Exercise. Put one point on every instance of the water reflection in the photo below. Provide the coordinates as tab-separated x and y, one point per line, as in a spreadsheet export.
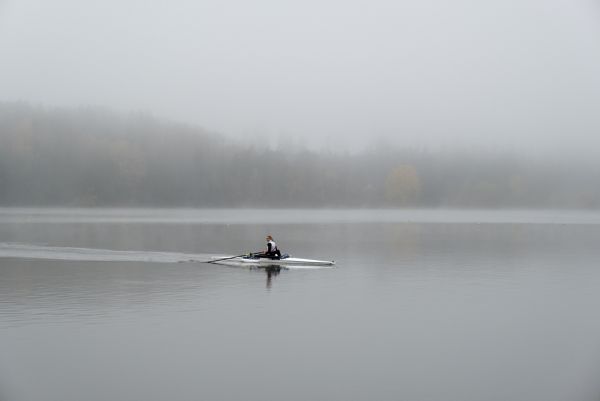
271	271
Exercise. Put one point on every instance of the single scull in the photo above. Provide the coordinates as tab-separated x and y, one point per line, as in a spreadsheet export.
285	260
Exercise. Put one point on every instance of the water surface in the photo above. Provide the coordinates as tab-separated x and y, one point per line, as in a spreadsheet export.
440	305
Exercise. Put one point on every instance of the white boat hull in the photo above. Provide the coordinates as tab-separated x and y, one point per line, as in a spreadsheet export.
289	261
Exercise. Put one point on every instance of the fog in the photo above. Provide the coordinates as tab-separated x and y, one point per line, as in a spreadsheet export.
515	75
97	157
445	154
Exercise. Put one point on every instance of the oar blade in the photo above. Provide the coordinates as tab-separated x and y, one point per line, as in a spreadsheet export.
229	257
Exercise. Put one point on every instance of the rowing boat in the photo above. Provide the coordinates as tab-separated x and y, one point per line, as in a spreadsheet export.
285	260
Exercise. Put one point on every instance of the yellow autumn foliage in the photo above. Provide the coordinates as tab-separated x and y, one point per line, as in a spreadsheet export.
402	186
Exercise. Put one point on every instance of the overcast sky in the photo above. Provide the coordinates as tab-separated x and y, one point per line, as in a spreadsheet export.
514	74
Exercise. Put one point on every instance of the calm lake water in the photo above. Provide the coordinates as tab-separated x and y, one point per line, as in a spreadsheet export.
422	305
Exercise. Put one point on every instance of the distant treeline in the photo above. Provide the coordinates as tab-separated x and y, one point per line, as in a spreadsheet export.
94	157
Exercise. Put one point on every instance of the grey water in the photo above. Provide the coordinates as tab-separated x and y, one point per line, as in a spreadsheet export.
422	305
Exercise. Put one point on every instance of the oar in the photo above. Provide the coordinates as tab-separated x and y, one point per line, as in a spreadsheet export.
231	257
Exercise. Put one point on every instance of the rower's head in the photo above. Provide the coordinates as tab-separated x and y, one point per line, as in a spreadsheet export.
269	238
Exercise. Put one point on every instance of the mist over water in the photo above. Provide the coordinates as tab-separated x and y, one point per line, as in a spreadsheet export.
96	158
320	104
444	154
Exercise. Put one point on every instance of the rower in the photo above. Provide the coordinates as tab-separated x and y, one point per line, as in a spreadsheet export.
272	251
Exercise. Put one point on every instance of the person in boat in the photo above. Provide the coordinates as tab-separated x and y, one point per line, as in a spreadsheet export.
272	251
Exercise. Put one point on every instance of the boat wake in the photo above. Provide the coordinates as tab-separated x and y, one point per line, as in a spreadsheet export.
46	252
32	251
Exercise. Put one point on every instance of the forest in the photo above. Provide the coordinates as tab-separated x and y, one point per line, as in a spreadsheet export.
93	157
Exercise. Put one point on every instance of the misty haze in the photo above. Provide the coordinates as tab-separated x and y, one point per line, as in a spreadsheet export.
267	200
